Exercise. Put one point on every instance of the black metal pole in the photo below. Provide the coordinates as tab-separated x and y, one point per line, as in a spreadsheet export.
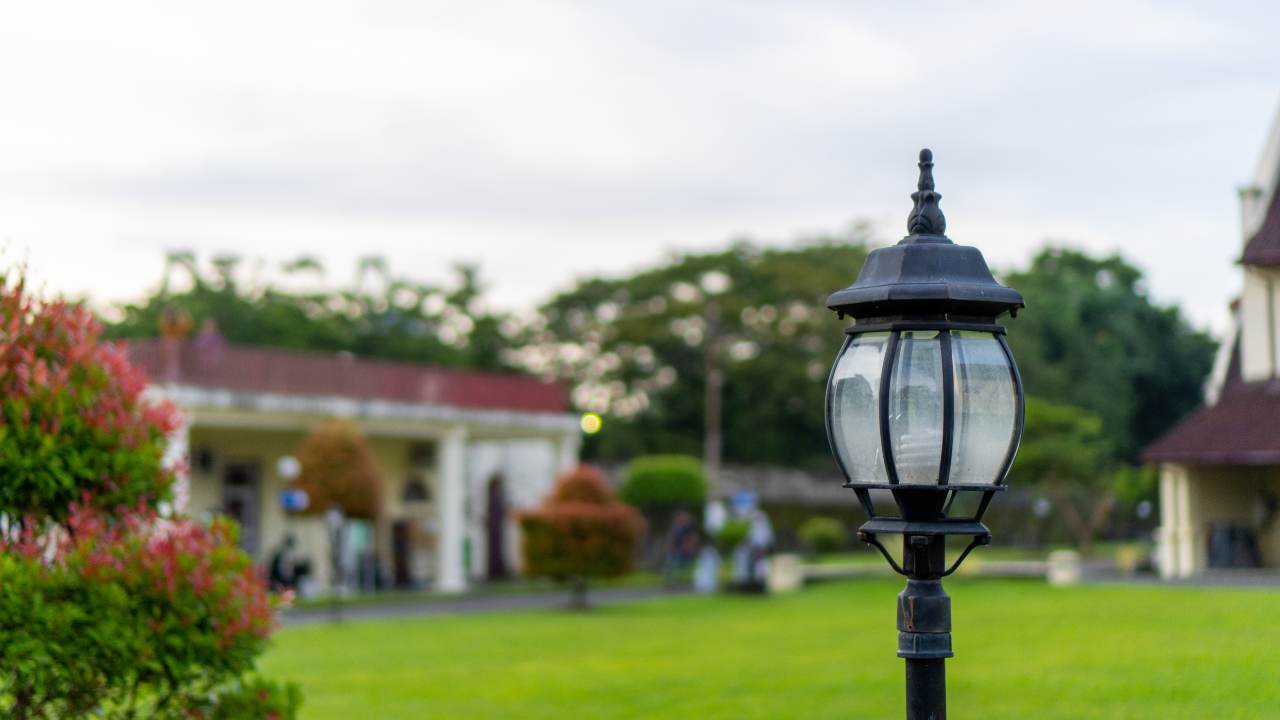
924	627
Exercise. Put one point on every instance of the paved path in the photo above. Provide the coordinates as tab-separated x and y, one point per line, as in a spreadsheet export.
1212	578
466	604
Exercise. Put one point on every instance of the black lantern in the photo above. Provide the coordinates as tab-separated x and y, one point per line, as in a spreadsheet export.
924	404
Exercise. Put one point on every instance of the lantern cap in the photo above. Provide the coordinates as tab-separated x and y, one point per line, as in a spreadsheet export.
925	273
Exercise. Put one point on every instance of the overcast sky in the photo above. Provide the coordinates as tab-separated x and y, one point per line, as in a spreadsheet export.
552	140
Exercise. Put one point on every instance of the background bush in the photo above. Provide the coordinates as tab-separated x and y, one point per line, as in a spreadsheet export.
664	482
579	532
338	468
732	533
821	535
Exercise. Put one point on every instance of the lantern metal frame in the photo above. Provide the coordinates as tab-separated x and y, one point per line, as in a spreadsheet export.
925	283
913	511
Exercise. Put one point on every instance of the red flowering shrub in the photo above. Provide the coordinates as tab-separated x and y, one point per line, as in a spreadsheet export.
126	615
581	531
73	418
106	610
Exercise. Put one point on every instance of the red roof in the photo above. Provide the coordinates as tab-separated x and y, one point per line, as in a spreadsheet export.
246	368
1264	247
1242	428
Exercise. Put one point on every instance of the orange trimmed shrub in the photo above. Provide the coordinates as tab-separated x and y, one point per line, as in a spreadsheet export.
338	468
581	531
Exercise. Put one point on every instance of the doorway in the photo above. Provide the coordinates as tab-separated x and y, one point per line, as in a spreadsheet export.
496	529
402	553
241	501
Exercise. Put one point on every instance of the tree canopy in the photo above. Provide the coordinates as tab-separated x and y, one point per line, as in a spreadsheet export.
1092	337
377	315
634	348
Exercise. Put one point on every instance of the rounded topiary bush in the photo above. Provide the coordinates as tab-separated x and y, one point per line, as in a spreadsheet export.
664	482
822	535
579	532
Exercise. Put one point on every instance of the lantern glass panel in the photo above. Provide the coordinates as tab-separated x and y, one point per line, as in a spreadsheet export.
986	406
853	405
915	408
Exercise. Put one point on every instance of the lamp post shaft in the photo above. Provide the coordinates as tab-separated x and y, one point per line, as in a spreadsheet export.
926	689
924	627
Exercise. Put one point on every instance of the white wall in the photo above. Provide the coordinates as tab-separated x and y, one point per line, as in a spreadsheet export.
528	468
1260	324
1193	499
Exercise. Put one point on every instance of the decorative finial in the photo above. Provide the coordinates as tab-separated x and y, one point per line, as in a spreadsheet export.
926	217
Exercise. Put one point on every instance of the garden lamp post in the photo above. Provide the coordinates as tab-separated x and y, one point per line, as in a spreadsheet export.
924	405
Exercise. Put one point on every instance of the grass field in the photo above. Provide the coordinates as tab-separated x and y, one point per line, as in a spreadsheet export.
1022	650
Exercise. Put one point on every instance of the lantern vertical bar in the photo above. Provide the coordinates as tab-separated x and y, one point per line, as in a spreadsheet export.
827	404
1019	411
948	406
886	377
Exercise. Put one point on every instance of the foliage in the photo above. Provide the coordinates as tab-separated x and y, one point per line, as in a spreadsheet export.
1061	442
822	535
580	531
126	616
1065	449
664	482
106	610
1093	338
1133	484
253	697
379	315
635	347
338	468
733	533
73	417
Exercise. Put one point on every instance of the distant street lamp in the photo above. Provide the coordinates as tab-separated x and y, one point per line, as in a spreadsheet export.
924	402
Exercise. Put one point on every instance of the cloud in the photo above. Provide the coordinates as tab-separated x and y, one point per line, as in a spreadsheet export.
588	137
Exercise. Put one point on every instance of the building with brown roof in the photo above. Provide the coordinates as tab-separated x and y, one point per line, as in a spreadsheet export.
1220	467
458	451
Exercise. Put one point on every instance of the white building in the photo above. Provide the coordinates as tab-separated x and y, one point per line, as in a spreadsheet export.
458	451
1220	467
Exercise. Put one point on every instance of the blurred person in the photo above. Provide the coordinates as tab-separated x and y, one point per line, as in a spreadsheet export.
682	546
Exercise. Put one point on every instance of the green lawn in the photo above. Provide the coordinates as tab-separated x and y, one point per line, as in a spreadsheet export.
1023	650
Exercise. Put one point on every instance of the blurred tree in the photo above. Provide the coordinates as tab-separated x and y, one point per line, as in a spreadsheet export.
1065	449
379	315
338	468
1092	337
636	348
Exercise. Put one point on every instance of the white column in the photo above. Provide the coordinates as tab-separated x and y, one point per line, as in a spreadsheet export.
451	575
177	455
1168	524
567	448
1188	550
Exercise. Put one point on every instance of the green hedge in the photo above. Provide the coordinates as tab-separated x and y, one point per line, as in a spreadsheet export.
822	535
664	482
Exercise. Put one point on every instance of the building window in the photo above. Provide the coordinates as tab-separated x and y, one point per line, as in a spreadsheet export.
422	455
422	465
416	489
